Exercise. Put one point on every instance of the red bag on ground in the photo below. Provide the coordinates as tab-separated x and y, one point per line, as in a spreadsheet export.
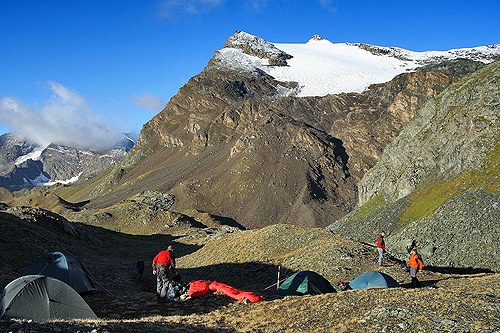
235	293
198	288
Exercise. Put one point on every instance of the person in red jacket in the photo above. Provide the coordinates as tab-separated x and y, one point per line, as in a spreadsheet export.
381	247
163	261
415	263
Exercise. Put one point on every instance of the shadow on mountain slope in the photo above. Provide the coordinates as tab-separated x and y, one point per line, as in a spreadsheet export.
248	276
138	299
229	222
458	270
110	256
74	206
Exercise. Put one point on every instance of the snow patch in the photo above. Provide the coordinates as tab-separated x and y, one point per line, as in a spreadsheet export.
321	67
33	155
65	182
235	58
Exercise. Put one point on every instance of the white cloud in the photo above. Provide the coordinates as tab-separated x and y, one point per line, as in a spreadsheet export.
172	8
149	101
255	6
328	4
65	119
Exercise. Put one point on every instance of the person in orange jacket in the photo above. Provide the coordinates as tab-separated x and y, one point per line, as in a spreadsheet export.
415	263
161	263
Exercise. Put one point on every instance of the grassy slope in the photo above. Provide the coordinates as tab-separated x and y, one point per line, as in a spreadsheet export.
432	195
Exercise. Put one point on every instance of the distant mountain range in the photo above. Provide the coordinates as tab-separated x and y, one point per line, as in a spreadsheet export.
24	164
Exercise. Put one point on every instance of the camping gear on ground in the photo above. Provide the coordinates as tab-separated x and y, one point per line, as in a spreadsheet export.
170	292
305	283
373	279
180	288
235	293
200	288
64	267
41	297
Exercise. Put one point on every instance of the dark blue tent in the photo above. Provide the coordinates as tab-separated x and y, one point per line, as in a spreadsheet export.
373	279
305	283
64	267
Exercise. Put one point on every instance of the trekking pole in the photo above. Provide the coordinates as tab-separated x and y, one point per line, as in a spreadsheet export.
278	283
274	284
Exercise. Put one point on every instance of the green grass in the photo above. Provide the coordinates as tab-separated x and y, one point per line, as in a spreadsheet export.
375	203
434	194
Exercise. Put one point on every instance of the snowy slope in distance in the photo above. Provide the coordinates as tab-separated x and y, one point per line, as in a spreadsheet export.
321	67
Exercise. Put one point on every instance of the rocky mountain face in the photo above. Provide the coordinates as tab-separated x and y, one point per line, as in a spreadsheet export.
436	185
26	165
231	144
12	147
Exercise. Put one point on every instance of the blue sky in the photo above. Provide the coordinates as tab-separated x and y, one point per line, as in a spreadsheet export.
125	59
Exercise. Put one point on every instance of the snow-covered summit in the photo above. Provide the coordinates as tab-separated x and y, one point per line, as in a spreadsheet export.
256	46
321	67
316	37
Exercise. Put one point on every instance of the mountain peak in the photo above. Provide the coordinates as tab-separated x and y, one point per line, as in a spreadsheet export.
316	38
257	46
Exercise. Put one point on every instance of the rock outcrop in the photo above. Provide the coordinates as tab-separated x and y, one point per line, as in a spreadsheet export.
256	46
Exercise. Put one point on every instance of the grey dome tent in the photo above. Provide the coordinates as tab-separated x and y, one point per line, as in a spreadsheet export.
41	297
64	267
305	283
373	279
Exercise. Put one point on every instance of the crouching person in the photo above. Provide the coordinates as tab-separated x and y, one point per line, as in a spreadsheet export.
164	261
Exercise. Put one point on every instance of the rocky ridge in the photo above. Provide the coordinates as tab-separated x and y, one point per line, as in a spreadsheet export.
486	54
256	46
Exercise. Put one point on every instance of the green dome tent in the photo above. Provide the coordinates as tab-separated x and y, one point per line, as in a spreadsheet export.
41	297
373	279
64	267
305	283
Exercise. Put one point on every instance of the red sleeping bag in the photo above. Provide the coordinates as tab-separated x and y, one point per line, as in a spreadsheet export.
235	293
198	288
